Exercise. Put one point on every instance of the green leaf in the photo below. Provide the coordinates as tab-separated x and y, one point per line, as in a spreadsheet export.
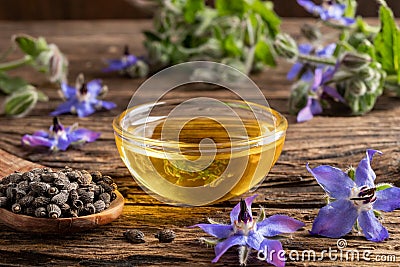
229	7
387	43
11	84
21	102
263	53
231	46
191	8
268	15
351	7
383	186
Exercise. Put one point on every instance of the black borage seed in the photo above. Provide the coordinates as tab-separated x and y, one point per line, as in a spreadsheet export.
134	236
99	206
40	201
41	212
60	198
54	211
166	236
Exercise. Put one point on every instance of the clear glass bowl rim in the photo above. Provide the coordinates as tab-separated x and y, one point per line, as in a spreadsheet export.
281	125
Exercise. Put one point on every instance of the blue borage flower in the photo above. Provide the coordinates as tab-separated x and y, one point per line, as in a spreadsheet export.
355	201
83	98
244	231
319	89
122	64
329	10
58	137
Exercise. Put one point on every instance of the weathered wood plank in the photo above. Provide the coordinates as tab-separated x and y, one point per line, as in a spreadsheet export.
289	188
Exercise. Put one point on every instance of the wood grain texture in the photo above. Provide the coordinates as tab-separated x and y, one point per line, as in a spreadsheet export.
289	188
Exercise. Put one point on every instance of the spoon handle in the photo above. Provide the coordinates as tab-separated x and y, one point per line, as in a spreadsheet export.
10	163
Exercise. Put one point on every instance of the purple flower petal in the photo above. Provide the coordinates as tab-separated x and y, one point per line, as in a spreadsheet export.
294	71
235	211
317	78
64	107
365	175
217	230
114	65
68	91
333	180
307	76
41	133
63	142
335	219
223	246
84	109
327	51
36	141
83	134
254	240
120	64
273	249
347	21
372	228
313	107
310	6
94	87
278	224
305	48
388	199
108	105
332	92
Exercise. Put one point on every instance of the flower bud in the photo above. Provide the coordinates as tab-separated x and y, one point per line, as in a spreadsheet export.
311	32
357	88
21	102
366	73
285	46
355	61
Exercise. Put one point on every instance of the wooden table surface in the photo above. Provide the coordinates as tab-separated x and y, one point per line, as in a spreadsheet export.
289	188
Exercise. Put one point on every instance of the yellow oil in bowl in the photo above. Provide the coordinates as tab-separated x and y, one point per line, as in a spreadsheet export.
197	160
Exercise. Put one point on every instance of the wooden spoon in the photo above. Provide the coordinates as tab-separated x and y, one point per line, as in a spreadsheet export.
10	163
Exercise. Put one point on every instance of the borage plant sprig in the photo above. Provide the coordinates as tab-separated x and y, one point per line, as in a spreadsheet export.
44	57
366	60
239	33
248	233
354	201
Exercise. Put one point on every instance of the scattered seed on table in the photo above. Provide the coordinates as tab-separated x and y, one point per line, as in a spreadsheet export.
134	236
165	235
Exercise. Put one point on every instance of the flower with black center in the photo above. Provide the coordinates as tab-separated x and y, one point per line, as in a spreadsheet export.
356	200
128	65
58	137
83	99
329	10
249	234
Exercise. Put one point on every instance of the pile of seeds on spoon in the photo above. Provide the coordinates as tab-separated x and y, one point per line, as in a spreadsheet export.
45	193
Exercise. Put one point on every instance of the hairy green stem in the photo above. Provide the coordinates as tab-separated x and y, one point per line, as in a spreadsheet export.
15	64
5	54
317	60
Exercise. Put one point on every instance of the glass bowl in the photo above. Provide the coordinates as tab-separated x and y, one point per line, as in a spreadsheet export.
199	152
